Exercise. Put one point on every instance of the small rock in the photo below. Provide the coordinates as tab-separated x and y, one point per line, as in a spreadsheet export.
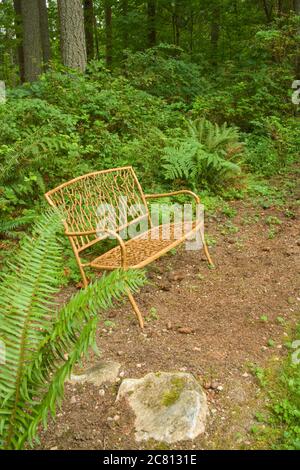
220	388
101	392
73	400
116	418
169	325
120	353
177	276
99	374
246	375
197	349
54	448
165	286
214	385
139	366
185	331
207	385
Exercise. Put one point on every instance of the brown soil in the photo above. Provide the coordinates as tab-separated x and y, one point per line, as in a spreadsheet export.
219	312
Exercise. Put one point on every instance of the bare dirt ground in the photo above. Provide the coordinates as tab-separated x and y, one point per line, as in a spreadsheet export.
213	323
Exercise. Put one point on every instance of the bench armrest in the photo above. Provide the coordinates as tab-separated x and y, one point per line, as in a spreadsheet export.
175	193
109	232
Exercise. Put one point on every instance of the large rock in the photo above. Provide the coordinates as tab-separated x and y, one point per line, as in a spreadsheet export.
169	407
101	373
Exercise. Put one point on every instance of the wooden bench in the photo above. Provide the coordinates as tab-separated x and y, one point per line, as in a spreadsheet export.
86	204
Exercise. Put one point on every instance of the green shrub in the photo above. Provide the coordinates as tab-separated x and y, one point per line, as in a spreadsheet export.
163	71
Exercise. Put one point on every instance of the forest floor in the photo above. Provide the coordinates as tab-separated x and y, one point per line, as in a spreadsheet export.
236	319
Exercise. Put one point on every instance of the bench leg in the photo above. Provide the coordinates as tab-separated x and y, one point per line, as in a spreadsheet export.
206	251
136	309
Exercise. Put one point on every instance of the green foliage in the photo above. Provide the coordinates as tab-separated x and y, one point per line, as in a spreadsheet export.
161	71
66	125
209	155
273	145
41	344
283	422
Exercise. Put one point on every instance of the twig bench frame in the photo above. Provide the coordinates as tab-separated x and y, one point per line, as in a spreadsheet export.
79	201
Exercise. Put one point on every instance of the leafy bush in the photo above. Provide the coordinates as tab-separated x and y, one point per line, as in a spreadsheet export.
41	345
272	146
162	72
209	155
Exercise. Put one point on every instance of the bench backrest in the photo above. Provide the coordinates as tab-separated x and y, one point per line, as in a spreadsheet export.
99	199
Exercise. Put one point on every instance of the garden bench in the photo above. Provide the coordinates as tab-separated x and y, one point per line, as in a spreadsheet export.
87	204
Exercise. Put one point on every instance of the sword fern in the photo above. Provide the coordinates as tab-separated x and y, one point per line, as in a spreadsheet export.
41	344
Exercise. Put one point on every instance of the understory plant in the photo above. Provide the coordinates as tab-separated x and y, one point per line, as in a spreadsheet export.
39	342
209	155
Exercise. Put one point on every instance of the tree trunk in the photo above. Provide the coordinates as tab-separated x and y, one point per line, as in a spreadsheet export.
31	40
214	35
192	33
72	36
268	9
125	27
89	22
151	23
108	32
297	68
44	28
19	36
176	24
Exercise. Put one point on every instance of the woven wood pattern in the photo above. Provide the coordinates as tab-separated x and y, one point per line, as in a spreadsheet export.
117	192
145	248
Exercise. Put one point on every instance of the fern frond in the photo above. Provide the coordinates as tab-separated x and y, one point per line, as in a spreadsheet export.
25	299
73	333
179	161
37	340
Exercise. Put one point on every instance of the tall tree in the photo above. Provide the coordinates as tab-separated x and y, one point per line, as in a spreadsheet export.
176	22
31	39
108	31
297	11
214	34
151	23
44	29
19	37
268	9
124	6
72	34
89	22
